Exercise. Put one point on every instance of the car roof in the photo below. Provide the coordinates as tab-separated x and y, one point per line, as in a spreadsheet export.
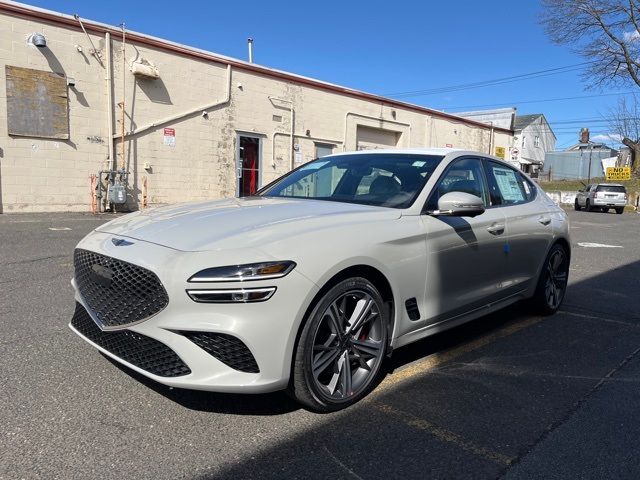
387	151
610	184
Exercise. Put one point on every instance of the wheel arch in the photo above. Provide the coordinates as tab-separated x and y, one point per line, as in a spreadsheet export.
372	274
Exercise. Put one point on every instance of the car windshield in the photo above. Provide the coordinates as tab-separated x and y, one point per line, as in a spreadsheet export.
388	180
611	188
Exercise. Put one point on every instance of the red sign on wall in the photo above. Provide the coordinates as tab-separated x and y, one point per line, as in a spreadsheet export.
169	132
169	138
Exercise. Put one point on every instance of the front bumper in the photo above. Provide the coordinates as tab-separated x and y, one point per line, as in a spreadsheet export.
268	329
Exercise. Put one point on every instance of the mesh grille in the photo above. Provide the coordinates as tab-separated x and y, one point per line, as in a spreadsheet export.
142	351
228	349
117	292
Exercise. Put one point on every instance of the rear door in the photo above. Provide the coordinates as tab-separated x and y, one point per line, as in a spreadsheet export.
528	224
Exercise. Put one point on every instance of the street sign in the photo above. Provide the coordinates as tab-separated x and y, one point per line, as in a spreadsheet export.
514	153
618	173
500	151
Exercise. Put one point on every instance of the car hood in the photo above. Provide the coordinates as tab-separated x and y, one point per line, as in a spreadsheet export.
239	222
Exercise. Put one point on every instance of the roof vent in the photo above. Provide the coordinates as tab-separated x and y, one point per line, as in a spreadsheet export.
584	135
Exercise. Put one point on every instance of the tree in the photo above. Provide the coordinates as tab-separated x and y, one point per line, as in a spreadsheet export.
624	121
606	33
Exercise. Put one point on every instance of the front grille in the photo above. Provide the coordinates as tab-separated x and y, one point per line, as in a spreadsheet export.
118	293
228	349
139	350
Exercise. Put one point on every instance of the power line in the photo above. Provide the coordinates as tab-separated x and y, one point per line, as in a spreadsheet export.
536	101
496	81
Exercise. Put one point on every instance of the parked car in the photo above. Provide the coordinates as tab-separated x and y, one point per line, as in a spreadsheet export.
311	283
602	196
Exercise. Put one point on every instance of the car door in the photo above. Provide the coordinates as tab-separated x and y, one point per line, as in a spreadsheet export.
466	259
529	229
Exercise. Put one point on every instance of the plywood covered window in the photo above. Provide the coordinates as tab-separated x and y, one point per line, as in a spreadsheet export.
37	103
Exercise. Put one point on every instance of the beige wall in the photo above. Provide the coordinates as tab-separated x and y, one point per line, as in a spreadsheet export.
46	175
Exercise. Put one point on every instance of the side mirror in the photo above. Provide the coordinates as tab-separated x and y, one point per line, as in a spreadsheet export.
459	204
580	191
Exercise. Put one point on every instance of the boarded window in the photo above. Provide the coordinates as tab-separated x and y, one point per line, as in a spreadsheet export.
37	103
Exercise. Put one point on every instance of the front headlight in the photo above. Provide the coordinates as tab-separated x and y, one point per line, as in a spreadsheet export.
244	273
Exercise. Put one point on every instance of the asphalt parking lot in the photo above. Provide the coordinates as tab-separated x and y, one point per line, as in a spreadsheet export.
508	396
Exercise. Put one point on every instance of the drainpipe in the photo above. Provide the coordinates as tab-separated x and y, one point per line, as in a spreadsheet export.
250	45
292	129
109	81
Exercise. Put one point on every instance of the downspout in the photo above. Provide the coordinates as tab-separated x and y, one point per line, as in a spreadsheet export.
124	82
109	81
173	118
291	130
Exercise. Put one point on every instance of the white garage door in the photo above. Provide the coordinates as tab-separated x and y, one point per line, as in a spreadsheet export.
369	138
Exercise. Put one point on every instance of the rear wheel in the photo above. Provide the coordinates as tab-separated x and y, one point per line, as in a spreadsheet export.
552	283
588	206
576	205
605	209
620	211
341	347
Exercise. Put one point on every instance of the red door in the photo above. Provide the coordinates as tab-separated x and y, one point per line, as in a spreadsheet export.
249	166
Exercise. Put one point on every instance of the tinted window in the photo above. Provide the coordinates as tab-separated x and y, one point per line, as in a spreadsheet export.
508	186
388	180
464	175
611	188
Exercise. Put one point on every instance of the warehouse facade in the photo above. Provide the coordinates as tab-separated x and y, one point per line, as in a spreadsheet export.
196	125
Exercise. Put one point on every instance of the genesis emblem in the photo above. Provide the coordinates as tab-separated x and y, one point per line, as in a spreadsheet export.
121	242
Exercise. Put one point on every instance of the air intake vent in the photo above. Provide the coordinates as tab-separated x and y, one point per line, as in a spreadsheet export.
412	309
228	349
137	349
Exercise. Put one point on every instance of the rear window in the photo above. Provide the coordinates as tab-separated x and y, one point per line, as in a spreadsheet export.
611	188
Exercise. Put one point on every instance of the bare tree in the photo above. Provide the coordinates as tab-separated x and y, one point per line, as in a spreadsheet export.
606	33
624	121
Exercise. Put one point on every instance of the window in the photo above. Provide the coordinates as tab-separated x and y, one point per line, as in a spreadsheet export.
508	186
388	180
536	141
464	175
611	188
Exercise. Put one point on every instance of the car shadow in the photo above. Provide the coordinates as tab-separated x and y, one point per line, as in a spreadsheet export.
279	403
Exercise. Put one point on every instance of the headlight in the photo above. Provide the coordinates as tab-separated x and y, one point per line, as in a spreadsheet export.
244	273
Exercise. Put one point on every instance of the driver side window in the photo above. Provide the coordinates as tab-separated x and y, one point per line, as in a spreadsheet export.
463	175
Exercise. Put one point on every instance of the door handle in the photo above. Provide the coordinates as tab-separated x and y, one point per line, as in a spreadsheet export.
544	220
496	229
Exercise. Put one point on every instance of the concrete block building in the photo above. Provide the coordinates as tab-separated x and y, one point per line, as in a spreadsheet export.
176	122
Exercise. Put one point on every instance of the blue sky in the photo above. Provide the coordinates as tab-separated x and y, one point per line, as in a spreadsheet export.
385	48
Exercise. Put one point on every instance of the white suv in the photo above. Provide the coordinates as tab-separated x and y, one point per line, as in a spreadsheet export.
602	196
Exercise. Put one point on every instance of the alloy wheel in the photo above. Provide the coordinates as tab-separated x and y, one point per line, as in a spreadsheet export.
556	281
348	345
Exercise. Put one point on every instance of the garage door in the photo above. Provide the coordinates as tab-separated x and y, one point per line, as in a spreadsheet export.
369	138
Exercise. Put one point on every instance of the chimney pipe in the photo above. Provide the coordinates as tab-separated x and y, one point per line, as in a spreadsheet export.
584	135
250	45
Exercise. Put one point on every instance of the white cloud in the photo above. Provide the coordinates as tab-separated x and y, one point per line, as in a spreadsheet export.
609	137
632	36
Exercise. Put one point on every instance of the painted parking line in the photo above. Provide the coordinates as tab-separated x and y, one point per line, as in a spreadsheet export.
432	361
443	434
597	245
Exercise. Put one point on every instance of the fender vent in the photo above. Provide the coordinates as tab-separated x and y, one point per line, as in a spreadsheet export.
412	309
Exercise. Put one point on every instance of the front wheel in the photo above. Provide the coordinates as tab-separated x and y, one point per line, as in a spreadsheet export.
552	283
341	347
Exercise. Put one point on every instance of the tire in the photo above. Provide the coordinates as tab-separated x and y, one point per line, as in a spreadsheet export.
335	364
576	206
552	283
620	211
605	209
588	206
